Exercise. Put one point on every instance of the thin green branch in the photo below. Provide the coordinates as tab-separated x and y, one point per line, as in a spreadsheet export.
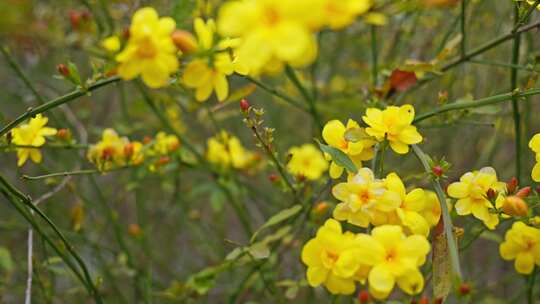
447	220
72	173
526	16
374	56
530	286
462	105
57	102
515	106
463	25
276	93
504	65
291	74
17	69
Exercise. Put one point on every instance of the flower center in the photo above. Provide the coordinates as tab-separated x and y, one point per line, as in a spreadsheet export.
271	16
391	255
146	49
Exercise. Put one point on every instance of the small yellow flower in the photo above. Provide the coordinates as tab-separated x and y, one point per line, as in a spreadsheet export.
165	143
471	193
522	243
307	161
332	259
361	149
111	44
150	51
206	75
31	134
227	150
411	204
338	14
269	30
394	258
534	144
512	205
362	197
394	125
109	152
432	208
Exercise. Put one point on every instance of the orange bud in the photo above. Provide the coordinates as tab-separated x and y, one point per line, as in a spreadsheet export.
321	208
62	69
146	140
184	41
363	297
524	192
63	134
464	289
107	153
515	206
423	300
440	3
244	105
273	177
129	149
512	185
163	160
125	33
134	230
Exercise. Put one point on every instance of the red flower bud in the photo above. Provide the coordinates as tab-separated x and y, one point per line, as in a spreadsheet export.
273	177
423	300
491	194
512	185
363	297
438	301
464	289
524	192
437	171
244	105
63	134
125	33
63	69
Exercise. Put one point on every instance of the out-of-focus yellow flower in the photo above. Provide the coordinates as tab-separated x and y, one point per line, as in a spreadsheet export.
206	75
358	149
227	150
164	144
150	51
109	151
375	18
531	2
471	191
307	161
269	29
522	243
534	144
111	44
512	205
134	153
361	196
338	14
332	259
31	134
407	214
394	125
394	258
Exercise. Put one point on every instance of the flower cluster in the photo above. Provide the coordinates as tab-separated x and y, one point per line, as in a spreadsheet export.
114	151
227	151
534	144
522	244
30	135
366	200
383	258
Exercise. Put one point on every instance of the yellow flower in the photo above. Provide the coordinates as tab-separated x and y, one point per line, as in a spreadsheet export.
31	134
109	152
150	51
471	194
534	144
522	243
531	2
361	197
394	258
111	44
394	125
338	14
165	143
360	149
411	204
227	150
432	208
210	74
332	259
269	29
307	161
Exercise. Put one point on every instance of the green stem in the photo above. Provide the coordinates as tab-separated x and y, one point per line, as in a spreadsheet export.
476	103
447	220
71	173
291	74
374	56
57	102
525	17
463	28
504	65
515	106
17	69
276	93
530	286
28	202
49	146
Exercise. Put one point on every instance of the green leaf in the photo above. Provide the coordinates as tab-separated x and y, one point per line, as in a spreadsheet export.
259	251
339	157
182	11
278	218
6	263
74	74
355	135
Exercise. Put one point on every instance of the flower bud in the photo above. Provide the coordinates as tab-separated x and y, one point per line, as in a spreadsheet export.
163	160
129	149
63	134
321	208
423	300
363	297
437	171
62	69
146	140
184	41
125	33
512	185
515	206
491	194
244	105
524	192
134	230
273	177
464	289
